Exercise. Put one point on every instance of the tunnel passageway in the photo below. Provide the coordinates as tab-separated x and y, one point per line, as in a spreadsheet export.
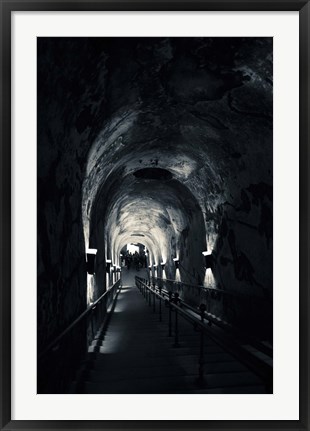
134	354
164	143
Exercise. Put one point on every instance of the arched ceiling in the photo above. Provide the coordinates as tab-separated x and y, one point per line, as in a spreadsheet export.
159	210
191	107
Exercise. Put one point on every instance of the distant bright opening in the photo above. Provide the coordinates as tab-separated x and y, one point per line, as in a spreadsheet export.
132	248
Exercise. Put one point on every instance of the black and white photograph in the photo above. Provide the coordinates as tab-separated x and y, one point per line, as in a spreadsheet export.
155	215
154	226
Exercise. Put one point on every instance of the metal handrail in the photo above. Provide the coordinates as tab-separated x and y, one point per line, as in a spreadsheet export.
229	305
77	320
226	341
209	289
227	327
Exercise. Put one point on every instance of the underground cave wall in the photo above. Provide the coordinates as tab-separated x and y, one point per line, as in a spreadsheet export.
61	280
63	139
191	244
241	232
243	260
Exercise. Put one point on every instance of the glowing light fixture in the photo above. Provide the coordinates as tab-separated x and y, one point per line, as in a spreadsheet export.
155	266
90	260
176	262
208	258
162	265
91	251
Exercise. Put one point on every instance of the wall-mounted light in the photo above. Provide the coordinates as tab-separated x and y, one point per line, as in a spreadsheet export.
162	265
150	267
108	265
208	259
155	266
176	262
114	268
90	260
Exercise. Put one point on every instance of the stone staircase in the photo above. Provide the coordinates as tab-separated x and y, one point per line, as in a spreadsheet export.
135	355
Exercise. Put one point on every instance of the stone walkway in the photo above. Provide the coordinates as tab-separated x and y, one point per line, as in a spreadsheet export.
137	356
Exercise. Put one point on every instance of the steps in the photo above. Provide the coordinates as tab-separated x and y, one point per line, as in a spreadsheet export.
134	355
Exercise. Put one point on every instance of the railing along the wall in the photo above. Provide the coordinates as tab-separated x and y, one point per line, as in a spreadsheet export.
251	313
206	324
58	362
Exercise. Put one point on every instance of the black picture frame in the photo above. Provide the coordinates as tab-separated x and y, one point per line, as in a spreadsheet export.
7	7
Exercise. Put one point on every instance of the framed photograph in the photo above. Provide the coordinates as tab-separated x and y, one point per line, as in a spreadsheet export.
154	215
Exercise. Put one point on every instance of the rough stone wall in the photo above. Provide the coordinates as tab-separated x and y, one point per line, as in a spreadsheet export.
69	81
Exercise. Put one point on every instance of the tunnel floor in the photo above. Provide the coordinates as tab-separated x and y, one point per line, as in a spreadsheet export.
136	355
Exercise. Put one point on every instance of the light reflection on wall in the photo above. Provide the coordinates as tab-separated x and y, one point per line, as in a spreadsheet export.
90	289
177	275
211	241
161	267
164	274
209	280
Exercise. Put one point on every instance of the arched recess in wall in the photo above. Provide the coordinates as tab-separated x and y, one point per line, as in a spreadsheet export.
165	212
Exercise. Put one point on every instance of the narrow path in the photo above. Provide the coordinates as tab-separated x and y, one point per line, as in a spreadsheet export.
136	355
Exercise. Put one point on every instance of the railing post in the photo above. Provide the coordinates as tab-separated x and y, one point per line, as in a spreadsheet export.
100	311
160	316
170	322
176	329
154	297
92	321
202	309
